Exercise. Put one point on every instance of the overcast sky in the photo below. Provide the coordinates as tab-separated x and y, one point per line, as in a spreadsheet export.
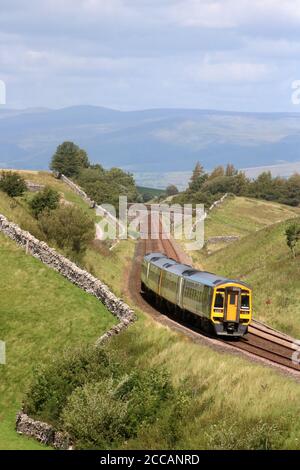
129	54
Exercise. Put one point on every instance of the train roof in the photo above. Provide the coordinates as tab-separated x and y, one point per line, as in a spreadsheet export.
154	256
160	260
188	272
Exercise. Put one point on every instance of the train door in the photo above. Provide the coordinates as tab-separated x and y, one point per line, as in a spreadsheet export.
232	305
179	292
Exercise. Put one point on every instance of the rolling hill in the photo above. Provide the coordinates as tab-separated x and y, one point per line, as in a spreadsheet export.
150	141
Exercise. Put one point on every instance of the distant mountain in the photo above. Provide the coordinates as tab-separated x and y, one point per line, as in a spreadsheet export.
150	141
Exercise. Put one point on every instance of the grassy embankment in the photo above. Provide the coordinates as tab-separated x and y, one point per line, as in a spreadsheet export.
261	257
41	313
233	403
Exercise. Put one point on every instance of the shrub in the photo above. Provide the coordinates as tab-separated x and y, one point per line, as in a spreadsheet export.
48	199
52	385
292	234
94	418
106	414
89	394
171	190
12	184
70	228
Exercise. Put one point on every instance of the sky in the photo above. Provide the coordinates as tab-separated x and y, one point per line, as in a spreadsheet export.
240	55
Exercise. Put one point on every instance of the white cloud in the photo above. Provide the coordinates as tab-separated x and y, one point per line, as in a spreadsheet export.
163	53
233	13
229	71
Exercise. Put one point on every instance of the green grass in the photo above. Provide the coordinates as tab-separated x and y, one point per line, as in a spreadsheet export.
17	209
41	313
264	260
152	191
260	257
111	266
241	216
46	178
233	403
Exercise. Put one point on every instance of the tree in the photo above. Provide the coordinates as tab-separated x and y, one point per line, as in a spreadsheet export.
198	178
83	159
48	199
105	187
69	159
293	236
218	171
263	187
171	190
293	190
230	170
70	228
12	184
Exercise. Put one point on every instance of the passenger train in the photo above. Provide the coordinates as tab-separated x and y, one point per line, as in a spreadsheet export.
217	304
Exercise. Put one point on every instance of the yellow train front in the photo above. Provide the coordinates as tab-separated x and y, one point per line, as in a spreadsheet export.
213	302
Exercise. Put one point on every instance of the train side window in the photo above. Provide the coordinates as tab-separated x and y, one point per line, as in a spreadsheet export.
219	301
245	301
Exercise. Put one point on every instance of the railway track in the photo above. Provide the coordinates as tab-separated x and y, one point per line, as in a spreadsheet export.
262	341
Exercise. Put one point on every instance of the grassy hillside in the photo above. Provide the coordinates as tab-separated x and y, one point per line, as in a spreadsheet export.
41	313
260	257
232	403
17	209
264	260
151	191
241	216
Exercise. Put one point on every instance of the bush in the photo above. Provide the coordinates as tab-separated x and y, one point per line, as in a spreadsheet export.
106	414
90	395
94	418
171	190
12	184
292	234
48	199
70	228
52	385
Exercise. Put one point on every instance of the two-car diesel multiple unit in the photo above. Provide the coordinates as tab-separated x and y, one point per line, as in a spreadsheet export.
217	303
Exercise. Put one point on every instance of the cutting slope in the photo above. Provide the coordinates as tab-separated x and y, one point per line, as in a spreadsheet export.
241	216
264	260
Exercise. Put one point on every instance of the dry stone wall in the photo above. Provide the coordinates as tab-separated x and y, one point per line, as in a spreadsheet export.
76	189
68	269
44	432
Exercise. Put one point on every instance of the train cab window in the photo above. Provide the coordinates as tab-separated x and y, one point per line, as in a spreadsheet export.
219	301
245	301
